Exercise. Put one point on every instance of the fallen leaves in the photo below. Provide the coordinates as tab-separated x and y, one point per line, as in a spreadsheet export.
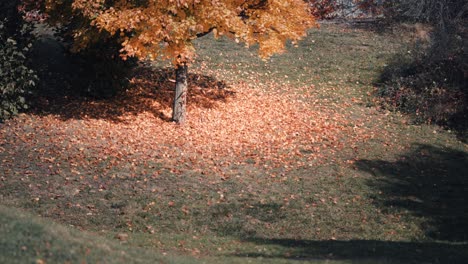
272	129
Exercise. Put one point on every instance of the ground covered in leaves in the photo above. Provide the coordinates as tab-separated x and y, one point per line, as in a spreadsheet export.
288	159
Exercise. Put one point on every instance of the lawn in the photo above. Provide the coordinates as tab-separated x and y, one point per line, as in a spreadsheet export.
285	160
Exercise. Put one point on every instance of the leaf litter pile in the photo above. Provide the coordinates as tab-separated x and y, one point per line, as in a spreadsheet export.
227	127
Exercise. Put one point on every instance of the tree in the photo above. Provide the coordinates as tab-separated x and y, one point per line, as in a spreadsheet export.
323	9
447	16
150	29
436	12
329	9
449	20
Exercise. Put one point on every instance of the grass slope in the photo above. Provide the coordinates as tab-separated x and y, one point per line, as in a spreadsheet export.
280	161
30	239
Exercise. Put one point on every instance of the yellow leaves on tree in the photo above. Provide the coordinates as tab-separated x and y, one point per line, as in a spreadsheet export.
167	27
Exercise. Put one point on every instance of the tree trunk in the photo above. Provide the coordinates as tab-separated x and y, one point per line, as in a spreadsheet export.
179	111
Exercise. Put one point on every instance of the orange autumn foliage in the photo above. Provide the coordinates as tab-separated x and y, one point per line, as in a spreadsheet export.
149	29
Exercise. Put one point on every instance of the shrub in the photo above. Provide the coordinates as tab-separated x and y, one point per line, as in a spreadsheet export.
432	91
431	84
16	78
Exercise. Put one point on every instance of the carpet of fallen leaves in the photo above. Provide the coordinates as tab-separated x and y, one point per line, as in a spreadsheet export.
228	126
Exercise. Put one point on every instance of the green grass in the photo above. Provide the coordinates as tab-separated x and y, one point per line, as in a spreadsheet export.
329	57
397	197
30	239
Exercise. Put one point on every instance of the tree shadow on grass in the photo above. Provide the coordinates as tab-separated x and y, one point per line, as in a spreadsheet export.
431	182
362	251
149	90
81	86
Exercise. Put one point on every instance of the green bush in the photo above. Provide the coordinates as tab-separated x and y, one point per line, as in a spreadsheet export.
16	78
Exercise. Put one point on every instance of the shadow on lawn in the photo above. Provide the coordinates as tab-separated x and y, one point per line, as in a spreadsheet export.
364	251
431	182
77	87
149	90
